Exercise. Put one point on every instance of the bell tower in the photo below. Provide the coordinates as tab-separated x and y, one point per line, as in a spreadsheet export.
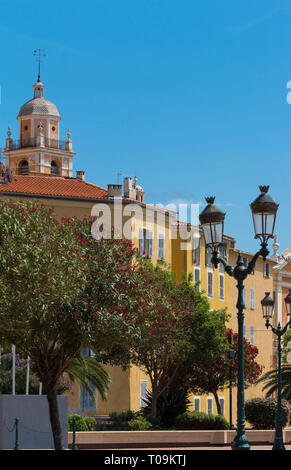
38	149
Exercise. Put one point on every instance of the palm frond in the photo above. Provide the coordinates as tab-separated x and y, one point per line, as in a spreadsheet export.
89	372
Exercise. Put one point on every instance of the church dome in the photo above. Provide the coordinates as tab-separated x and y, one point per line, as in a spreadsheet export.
38	104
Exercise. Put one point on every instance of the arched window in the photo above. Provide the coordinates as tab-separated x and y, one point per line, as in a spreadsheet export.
54	168
24	168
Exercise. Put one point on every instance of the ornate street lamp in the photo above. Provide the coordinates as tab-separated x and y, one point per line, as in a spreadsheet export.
268	308
264	211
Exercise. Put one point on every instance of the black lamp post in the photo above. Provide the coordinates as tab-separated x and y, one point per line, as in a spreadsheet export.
231	355
264	211
268	308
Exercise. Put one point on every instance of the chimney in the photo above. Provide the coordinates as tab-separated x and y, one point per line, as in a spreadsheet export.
80	175
114	190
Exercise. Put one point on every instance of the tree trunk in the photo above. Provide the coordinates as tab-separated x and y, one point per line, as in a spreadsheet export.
55	419
154	403
217	403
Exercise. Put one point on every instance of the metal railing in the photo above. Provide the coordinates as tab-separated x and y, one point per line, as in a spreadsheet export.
34	142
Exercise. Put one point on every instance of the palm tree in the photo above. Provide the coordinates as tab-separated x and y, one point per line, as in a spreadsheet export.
271	382
89	372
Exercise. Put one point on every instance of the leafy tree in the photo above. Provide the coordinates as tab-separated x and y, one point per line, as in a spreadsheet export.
58	291
173	327
214	375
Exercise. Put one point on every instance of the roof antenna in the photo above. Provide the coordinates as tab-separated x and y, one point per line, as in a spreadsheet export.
39	53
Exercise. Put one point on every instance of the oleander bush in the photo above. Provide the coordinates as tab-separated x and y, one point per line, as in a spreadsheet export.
192	420
261	412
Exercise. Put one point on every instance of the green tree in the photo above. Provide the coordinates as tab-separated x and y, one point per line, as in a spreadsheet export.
57	291
212	376
173	327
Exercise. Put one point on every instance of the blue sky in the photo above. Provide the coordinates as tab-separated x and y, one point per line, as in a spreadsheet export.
189	95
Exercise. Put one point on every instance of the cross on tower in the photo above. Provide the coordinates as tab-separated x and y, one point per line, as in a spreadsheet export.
39	53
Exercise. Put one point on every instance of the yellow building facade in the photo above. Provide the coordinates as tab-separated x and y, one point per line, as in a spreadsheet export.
190	257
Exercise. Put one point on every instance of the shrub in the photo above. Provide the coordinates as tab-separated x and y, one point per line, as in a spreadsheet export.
119	421
80	422
198	420
139	424
171	403
261	412
90	422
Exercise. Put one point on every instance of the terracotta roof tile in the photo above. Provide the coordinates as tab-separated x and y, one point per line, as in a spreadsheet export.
53	186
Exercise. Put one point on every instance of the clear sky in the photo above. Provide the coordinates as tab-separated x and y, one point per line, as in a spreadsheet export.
189	95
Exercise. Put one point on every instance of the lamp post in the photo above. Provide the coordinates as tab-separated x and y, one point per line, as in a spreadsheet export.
268	308
264	211
231	355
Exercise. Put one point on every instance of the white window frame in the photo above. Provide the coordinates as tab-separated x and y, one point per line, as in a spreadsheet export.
245	331
210	271
267	269
221	288
161	236
252	335
199	251
143	395
222	405
209	400
252	298
199	402
146	242
197	270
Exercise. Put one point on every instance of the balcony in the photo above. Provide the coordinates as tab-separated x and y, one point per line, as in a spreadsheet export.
36	142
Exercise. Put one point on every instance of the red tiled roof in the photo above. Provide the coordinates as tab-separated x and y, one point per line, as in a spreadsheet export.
53	186
60	187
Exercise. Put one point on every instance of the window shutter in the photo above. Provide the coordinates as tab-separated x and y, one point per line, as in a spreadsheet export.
143	392
161	246
141	241
252	335
150	244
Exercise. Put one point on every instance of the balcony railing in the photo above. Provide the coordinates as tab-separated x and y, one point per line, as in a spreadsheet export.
34	142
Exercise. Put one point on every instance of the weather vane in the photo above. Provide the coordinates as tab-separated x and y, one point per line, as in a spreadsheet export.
39	53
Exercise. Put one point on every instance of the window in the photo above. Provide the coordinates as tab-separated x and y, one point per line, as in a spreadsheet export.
196	251
86	401
252	335
245	331
196	404
197	278
54	168
252	292
246	262
161	247
222	251
221	402
244	295
209	405
143	393
208	256
24	168
221	286
267	271
210	284
146	242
